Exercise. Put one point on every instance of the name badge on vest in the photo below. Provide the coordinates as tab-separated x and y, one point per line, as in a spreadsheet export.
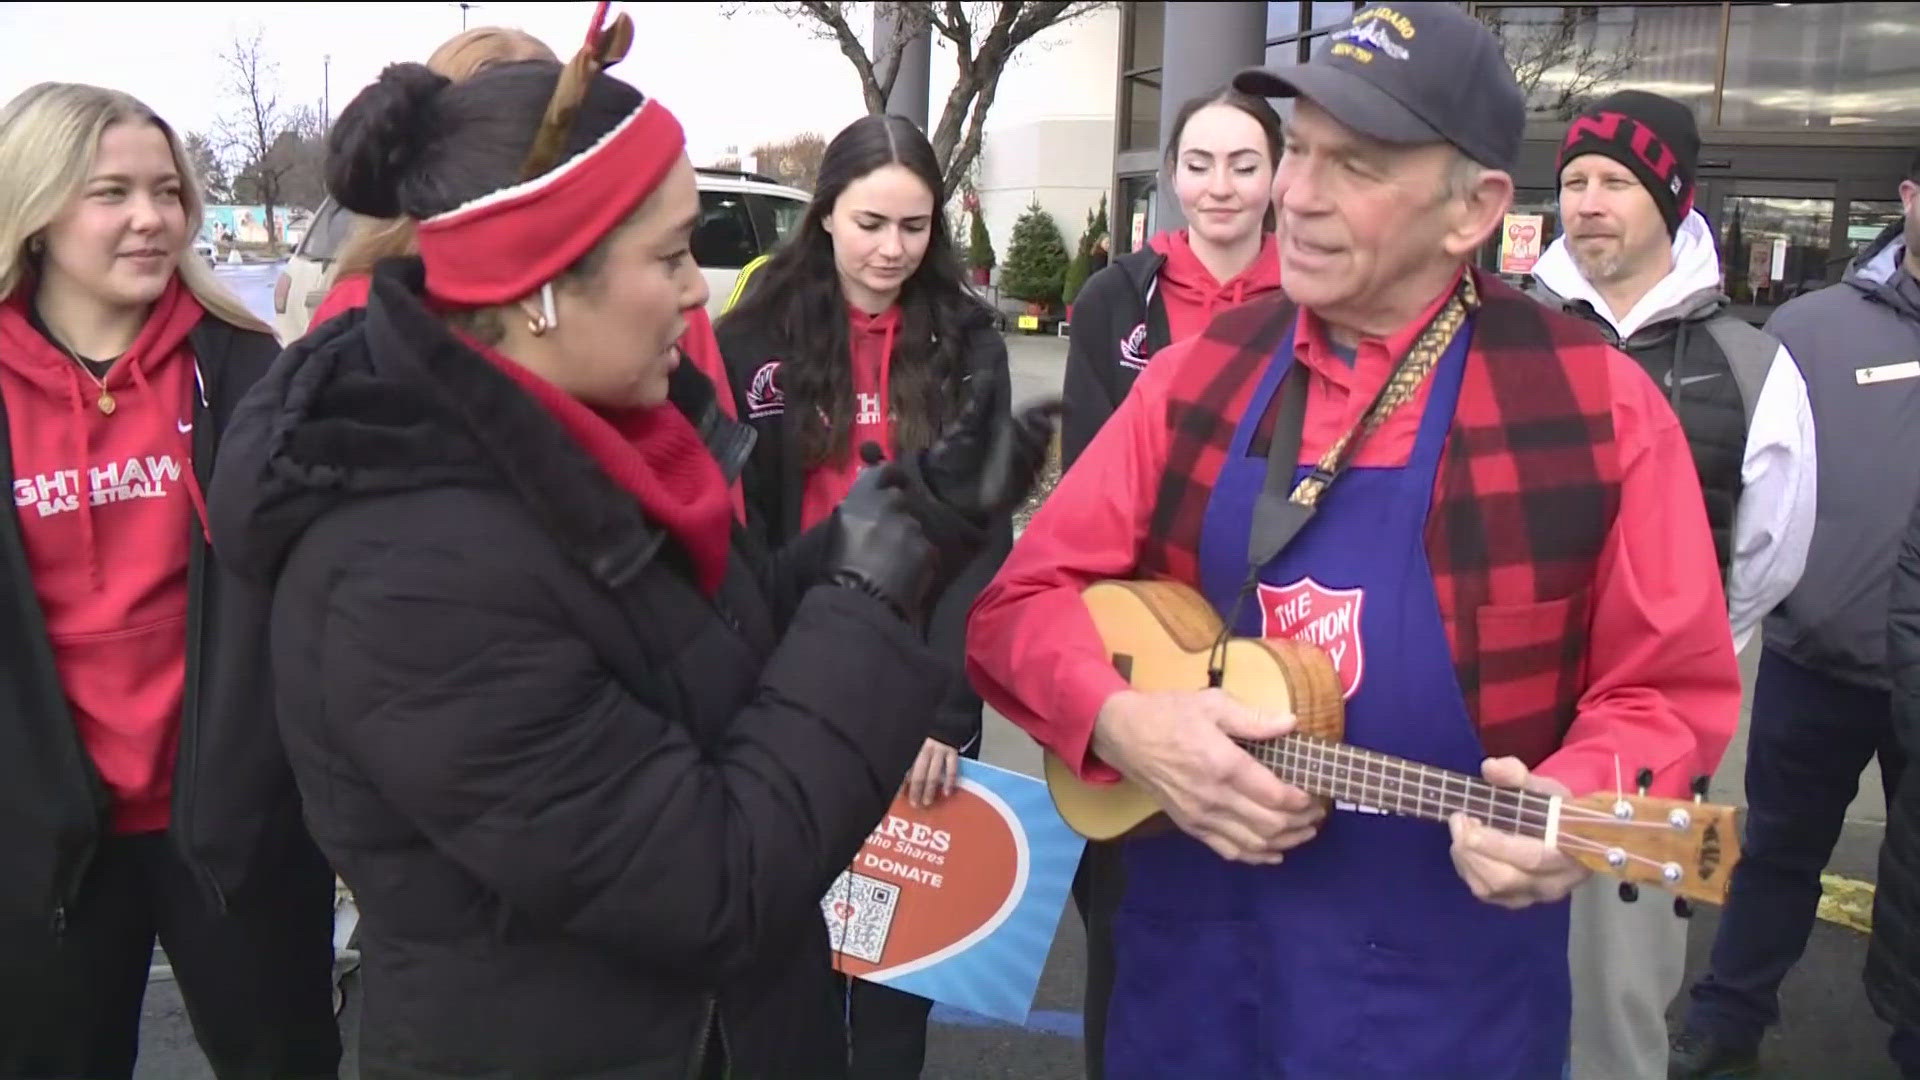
1867	376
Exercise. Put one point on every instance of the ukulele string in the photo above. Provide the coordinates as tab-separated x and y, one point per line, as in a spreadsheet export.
1367	777
1520	816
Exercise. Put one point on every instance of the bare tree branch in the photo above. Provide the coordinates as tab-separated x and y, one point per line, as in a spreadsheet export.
961	161
984	36
832	16
256	122
1560	64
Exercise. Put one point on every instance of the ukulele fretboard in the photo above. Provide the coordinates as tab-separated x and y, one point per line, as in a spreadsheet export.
1394	785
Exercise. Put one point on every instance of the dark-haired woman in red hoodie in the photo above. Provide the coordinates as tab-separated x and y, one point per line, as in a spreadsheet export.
861	331
1220	159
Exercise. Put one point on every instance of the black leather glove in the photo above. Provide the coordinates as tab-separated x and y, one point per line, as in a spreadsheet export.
986	465
876	545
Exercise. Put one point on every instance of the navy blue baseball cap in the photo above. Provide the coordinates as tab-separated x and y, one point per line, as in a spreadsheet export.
1410	74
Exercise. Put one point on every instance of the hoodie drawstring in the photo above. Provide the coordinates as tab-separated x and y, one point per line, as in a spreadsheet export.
82	479
886	374
1214	296
194	494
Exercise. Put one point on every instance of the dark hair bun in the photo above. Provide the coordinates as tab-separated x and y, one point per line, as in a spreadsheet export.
377	140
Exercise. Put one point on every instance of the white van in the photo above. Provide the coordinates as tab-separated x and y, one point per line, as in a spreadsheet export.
742	216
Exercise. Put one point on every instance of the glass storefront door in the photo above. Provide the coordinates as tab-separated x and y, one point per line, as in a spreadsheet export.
1866	220
1776	240
1138	213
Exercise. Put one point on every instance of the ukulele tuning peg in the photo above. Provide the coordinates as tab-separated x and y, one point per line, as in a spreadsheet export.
1644	778
1681	908
1629	892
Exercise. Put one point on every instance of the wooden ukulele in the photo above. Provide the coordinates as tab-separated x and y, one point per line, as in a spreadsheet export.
1161	635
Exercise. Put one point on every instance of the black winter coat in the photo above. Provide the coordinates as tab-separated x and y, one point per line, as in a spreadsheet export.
588	812
1893	955
235	812
774	484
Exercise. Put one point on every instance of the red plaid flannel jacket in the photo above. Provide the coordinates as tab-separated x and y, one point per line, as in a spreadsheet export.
1523	503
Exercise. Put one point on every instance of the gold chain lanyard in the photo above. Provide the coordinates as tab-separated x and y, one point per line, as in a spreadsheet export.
1401	386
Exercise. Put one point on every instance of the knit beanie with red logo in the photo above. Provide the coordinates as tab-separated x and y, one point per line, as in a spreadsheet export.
1656	137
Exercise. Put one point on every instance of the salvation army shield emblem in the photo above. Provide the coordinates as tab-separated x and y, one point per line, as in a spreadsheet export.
1327	618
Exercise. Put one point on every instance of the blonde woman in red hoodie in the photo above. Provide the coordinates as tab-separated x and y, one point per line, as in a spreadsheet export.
1220	158
143	792
860	335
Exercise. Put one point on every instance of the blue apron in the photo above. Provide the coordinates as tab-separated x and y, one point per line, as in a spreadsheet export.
1363	955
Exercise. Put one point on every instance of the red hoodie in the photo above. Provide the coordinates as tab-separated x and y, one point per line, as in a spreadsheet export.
871	338
104	502
702	349
348	293
1191	294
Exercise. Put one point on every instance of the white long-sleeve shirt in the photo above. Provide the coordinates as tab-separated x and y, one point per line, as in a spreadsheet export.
1773	524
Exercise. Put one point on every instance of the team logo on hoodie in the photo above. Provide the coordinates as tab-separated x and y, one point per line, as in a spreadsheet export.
1133	348
764	396
60	492
1328	618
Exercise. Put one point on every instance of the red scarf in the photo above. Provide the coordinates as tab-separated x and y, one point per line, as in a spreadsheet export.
653	454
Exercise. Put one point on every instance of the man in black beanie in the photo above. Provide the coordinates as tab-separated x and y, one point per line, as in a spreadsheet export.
1640	264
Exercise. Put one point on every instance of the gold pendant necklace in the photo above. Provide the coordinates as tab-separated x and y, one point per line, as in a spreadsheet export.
105	402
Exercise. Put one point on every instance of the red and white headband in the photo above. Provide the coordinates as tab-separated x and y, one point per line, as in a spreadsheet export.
509	243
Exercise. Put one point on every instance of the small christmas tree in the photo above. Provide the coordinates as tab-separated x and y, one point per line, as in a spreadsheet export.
979	245
1077	272
1097	228
1036	259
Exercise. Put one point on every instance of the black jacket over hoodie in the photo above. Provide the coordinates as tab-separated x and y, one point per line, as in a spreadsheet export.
234	810
774	484
1119	322
588	812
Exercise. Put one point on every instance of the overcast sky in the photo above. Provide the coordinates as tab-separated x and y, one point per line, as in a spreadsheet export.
733	82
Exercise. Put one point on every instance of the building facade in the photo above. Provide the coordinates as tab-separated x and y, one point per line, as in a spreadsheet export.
1809	112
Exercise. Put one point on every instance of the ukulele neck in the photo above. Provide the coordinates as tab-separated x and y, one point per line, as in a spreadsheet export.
1394	785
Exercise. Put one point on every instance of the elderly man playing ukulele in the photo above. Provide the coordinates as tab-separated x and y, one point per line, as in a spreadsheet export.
1506	561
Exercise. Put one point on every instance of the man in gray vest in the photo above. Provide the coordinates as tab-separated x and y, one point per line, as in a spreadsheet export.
1821	701
1637	261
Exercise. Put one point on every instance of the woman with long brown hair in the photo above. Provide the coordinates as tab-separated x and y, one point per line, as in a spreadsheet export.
859	336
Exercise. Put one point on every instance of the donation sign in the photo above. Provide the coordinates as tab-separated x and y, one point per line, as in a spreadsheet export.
958	902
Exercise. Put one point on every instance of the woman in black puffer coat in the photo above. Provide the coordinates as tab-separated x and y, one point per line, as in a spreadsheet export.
587	764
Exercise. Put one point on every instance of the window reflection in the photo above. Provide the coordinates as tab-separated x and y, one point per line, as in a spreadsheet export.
1327	13
1142	109
1282	19
1136	196
1866	220
1149	34
1822	65
1567	55
1772	249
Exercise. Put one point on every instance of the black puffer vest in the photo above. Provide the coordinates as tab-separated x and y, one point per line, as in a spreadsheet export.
1711	365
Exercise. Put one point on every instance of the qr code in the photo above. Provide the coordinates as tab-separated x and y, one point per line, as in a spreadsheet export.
859	912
